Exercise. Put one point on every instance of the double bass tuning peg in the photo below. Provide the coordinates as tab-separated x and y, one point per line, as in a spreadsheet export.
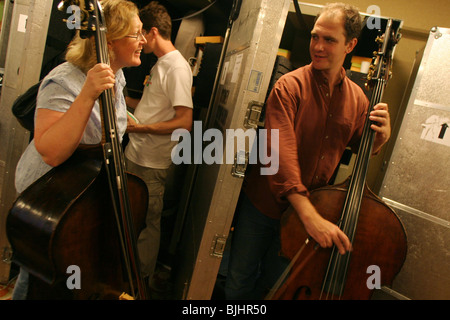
379	39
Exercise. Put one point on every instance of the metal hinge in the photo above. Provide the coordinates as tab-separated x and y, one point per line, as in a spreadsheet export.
218	246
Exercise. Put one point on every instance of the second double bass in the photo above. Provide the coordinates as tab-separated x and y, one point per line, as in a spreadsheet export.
377	235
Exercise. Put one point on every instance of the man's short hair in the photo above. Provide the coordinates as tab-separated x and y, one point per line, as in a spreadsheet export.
156	15
351	17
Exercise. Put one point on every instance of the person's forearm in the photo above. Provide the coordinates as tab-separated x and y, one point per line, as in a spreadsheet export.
182	120
161	128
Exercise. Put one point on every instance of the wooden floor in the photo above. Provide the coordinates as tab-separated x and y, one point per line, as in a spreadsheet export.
160	288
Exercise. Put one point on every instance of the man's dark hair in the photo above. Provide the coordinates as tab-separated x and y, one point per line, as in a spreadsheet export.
156	15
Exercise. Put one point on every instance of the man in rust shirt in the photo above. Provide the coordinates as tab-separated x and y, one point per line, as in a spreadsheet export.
318	112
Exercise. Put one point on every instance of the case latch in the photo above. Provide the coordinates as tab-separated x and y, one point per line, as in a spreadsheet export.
253	115
218	246
240	164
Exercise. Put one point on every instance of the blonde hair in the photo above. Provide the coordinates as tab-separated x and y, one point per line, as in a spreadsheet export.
118	15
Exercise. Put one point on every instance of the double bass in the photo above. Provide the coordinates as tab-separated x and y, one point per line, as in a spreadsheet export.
74	229
377	235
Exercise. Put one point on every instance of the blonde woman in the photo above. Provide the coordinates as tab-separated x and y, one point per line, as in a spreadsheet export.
67	110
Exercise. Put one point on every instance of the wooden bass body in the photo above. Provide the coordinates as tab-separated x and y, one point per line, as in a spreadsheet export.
66	219
380	244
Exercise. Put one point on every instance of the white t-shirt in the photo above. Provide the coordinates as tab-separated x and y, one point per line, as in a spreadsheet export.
168	85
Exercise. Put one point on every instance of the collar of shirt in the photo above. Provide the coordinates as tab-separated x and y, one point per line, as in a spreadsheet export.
323	80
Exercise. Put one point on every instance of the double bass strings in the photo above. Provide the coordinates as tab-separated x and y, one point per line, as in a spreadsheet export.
337	269
115	168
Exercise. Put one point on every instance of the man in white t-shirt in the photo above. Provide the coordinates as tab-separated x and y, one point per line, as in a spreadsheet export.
166	105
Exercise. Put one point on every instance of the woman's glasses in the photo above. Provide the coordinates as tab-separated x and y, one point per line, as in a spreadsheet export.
138	35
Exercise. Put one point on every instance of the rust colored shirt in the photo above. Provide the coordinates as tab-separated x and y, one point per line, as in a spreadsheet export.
314	130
